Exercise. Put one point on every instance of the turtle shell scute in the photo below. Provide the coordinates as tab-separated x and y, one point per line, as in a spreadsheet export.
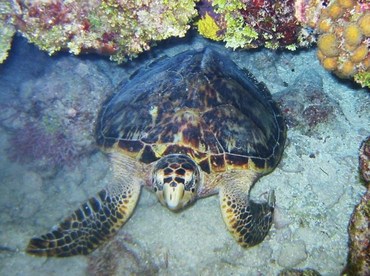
197	103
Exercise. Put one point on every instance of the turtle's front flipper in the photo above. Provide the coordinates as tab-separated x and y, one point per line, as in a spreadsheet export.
90	225
248	221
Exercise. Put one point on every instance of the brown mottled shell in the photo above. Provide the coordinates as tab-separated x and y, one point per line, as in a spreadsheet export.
195	103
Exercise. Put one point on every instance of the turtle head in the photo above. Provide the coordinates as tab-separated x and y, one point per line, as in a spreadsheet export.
176	179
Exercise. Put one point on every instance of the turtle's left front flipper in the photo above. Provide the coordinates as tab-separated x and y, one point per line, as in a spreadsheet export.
89	226
248	221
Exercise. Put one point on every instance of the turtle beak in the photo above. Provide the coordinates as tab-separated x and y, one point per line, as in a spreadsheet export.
173	196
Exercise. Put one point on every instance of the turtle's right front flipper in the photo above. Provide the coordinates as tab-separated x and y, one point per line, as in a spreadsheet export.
248	221
89	226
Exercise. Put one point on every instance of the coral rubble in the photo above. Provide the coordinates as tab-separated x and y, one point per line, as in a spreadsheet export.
118	28
359	232
344	41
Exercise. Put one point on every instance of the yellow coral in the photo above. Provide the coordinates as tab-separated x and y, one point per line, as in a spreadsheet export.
335	11
359	54
343	44
352	35
346	3
364	24
325	25
366	63
347	69
320	55
328	45
330	63
207	27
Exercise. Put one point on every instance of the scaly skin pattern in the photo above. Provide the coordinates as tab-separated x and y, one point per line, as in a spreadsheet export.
249	222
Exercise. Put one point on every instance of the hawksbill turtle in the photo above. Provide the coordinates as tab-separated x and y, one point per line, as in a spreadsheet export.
186	127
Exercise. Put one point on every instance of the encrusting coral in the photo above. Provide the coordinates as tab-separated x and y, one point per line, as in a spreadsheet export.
344	41
119	28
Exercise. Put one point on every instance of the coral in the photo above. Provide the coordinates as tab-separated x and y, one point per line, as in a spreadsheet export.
330	63
344	41
359	232
121	29
7	30
359	54
364	24
352	35
252	23
346	3
308	12
328	45
208	28
363	78
334	10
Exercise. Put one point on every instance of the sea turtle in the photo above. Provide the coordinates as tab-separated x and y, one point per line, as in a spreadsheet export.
186	127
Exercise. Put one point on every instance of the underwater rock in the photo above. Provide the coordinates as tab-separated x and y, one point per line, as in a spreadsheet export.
124	256
51	120
359	232
305	104
292	253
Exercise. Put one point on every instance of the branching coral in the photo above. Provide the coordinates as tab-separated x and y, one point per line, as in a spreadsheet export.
343	46
118	28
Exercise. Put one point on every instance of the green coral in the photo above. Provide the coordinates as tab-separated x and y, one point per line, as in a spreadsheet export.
363	78
228	5
7	30
238	34
208	28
